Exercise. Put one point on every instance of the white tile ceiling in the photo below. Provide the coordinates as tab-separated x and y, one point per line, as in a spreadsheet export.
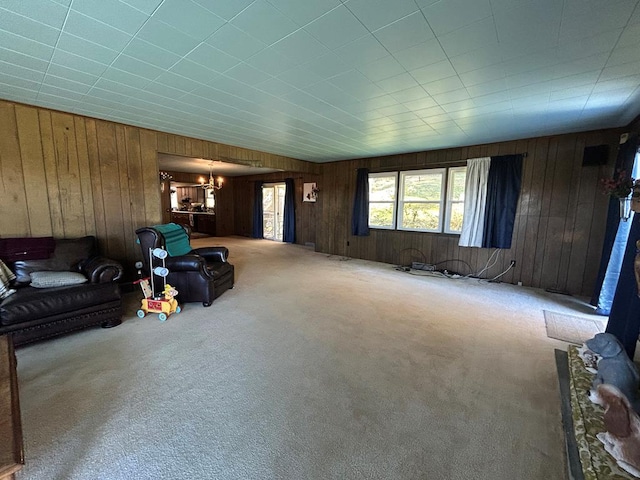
324	80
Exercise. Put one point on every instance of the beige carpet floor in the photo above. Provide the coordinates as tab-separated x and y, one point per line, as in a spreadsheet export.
312	367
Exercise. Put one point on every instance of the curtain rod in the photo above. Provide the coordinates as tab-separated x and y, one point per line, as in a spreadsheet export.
450	162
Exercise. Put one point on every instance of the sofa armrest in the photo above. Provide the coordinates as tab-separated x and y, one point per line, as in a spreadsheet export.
187	263
213	254
101	270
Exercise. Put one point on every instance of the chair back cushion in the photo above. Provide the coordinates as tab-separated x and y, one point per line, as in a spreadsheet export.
176	240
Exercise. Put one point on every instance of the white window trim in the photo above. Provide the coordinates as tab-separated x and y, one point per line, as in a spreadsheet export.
449	201
394	203
401	202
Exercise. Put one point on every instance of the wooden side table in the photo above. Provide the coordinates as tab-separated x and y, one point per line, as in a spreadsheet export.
11	448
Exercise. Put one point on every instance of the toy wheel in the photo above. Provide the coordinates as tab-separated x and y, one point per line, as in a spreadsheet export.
178	309
162	317
141	313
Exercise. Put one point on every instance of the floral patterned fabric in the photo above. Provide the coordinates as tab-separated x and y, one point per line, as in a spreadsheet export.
597	464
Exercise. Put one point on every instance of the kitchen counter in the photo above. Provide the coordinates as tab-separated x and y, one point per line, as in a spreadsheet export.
185	212
202	222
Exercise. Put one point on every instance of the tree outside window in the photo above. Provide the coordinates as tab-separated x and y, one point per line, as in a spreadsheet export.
421	199
430	200
455	199
382	200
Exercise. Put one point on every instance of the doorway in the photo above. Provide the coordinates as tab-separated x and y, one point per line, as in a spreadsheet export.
273	211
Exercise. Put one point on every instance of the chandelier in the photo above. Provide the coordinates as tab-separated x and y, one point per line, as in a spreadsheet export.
213	184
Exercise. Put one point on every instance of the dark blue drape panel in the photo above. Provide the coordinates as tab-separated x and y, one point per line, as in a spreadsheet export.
360	217
289	227
257	231
624	319
503	190
624	161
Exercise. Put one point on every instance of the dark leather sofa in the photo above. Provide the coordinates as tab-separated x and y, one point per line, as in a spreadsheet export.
32	314
200	275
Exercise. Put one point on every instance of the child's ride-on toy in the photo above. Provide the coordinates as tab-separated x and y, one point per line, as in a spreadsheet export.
162	303
162	306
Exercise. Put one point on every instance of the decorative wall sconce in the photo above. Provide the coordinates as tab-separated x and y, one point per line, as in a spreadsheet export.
164	178
625	208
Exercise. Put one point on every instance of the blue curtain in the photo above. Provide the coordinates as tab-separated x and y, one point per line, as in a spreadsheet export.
257	231
615	237
289	226
360	217
624	320
503	190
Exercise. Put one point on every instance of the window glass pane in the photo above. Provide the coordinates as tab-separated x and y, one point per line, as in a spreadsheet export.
458	178
457	211
267	199
209	199
423	187
423	216
381	214
382	188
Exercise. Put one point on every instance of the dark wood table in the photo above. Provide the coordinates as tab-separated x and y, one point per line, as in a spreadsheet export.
11	449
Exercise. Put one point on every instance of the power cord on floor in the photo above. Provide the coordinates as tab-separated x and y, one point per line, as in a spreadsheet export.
495	279
455	275
489	265
430	273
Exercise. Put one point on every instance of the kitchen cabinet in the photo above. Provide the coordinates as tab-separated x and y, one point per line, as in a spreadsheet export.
183	218
200	222
207	223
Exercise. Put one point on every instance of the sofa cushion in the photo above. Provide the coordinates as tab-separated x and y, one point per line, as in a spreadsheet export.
56	279
30	303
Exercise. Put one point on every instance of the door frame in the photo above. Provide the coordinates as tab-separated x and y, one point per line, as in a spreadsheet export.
279	210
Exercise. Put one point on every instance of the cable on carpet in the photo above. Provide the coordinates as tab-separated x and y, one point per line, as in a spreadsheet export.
491	262
495	253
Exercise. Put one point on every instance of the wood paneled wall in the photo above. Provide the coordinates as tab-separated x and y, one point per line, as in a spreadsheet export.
306	212
559	225
67	175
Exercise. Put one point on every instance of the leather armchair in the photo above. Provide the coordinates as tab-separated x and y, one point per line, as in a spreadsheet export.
201	275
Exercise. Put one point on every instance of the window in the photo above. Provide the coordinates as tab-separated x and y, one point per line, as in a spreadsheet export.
430	200
382	200
455	200
421	200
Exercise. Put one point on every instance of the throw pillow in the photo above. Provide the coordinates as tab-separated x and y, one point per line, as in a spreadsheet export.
56	279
